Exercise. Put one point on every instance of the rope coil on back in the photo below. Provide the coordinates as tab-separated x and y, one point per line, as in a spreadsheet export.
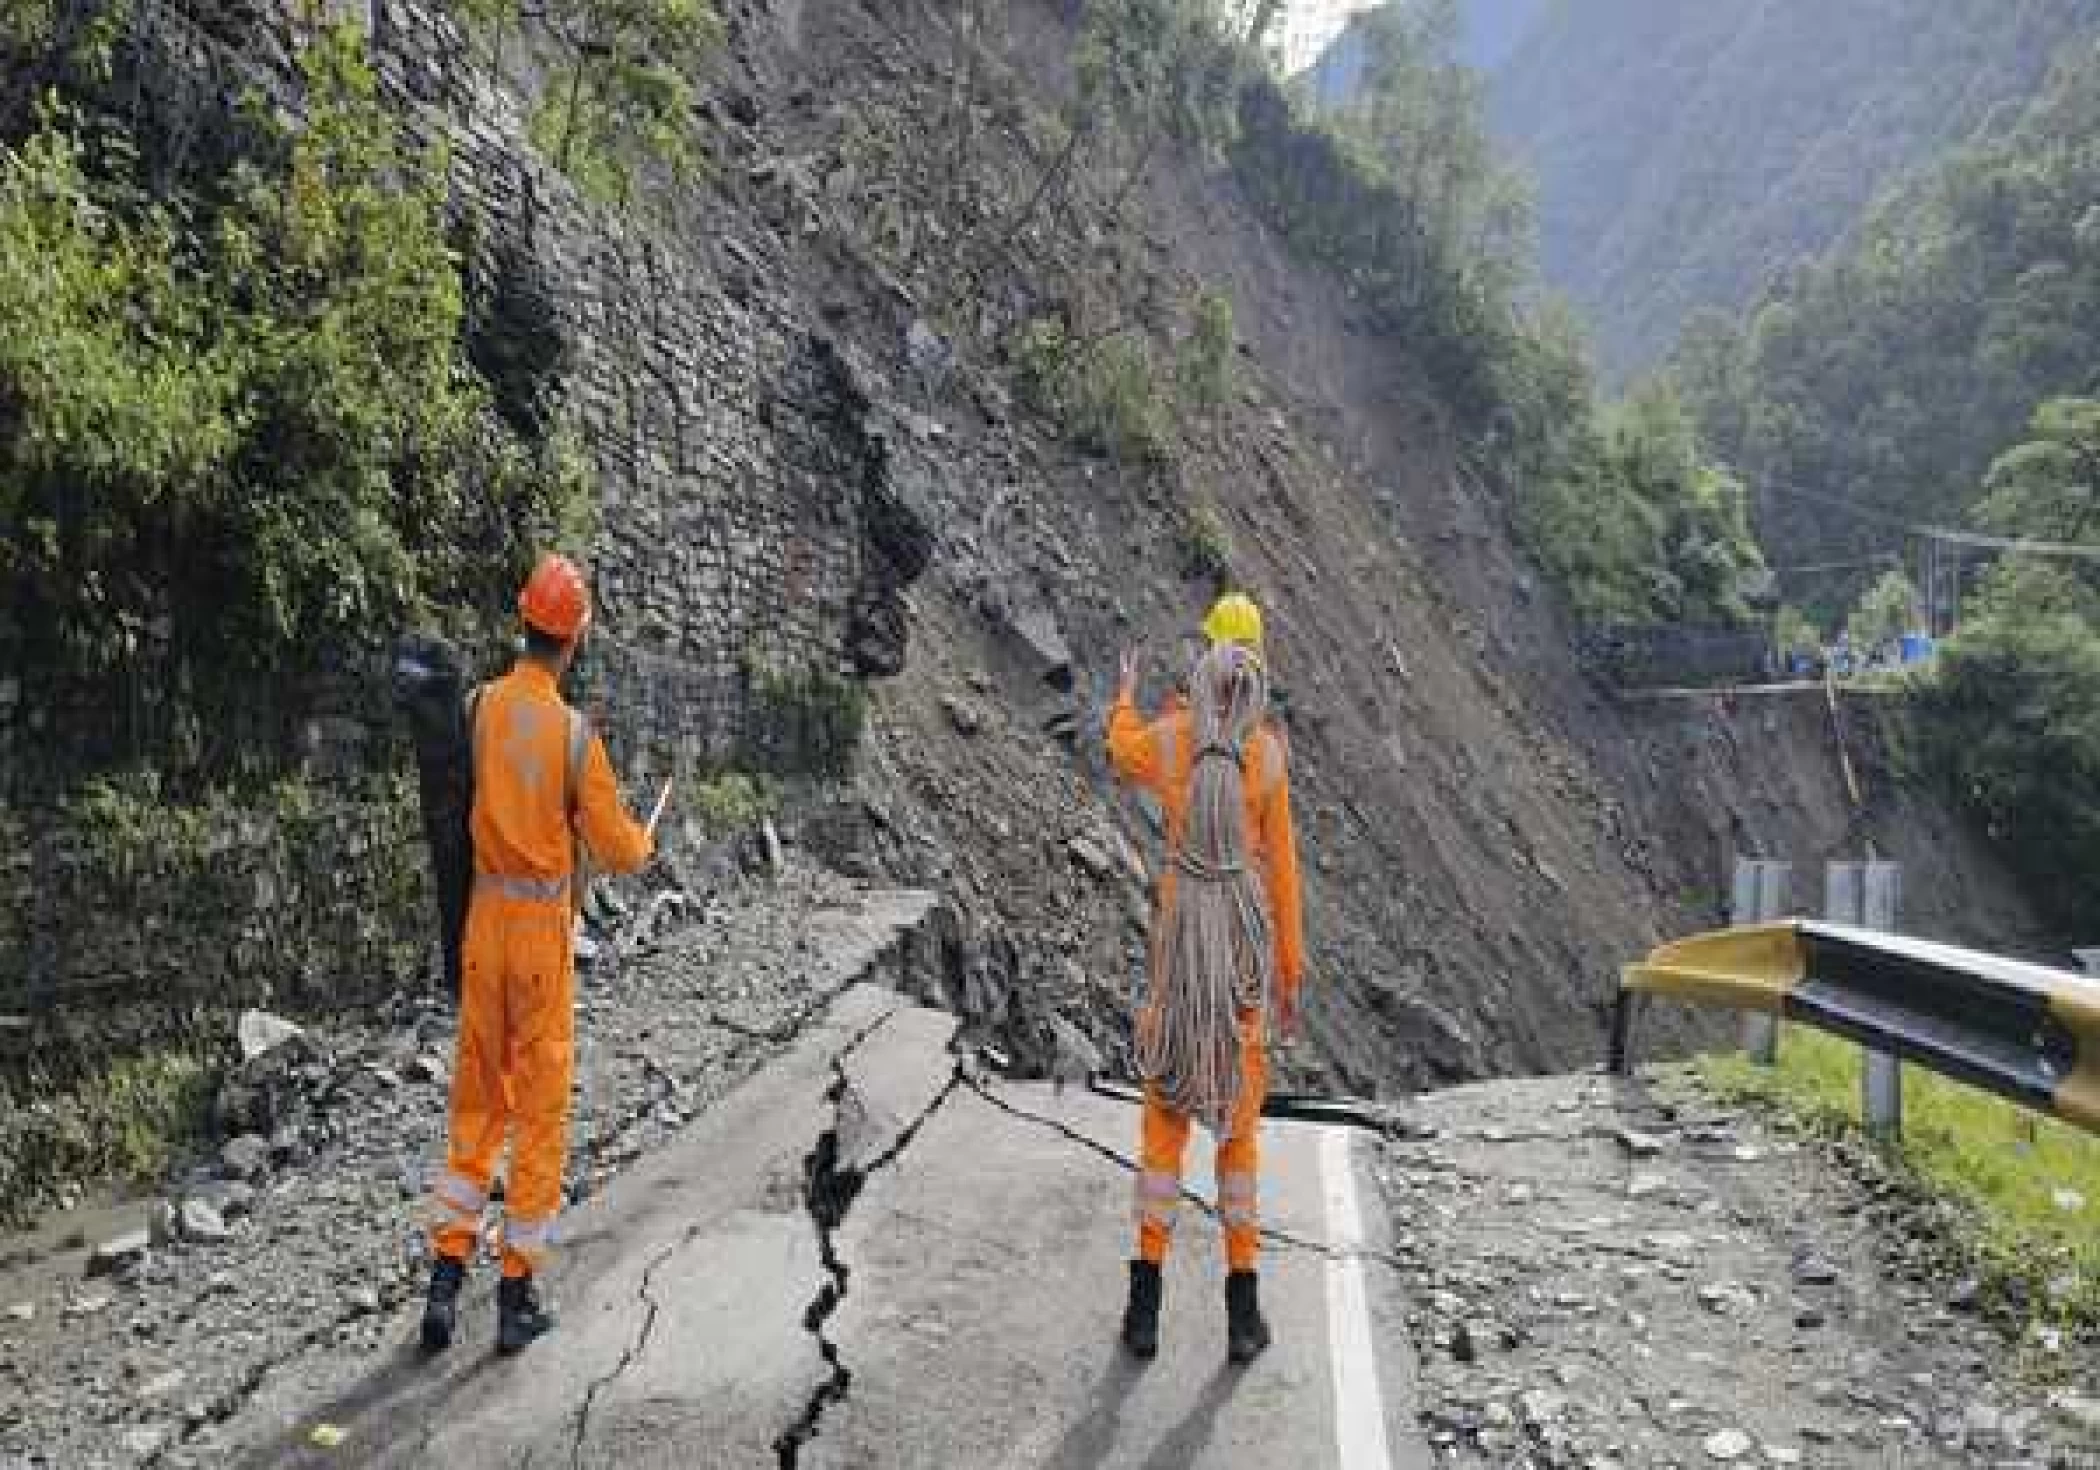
1212	959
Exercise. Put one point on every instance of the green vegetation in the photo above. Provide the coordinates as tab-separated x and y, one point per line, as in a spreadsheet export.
1396	190
1891	374
1684	152
801	720
1961	316
733	802
238	427
1887	611
127	1125
2013	714
1103	392
2048	488
617	97
1150	70
2014	724
1206	356
1636	527
1793	633
2004	1165
1206	546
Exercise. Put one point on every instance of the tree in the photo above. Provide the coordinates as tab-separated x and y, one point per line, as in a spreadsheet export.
2049	487
1637	526
2014	713
242	431
1892	373
2013	718
1887	611
614	80
1793	633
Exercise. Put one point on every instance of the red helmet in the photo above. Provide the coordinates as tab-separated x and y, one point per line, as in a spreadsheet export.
555	600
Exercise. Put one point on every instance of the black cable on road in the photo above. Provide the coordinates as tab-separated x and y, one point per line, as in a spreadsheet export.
1130	1166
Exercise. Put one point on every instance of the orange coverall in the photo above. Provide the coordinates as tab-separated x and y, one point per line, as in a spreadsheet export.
517	1032
1160	758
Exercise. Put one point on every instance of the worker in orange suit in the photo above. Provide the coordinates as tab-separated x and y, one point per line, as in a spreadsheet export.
541	778
1227	952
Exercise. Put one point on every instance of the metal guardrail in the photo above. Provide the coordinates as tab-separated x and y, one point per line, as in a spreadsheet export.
2025	1032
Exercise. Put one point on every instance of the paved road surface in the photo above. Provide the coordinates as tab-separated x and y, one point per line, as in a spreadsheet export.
957	1307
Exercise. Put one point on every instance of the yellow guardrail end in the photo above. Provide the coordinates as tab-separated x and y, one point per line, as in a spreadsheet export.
2078	1095
1747	969
2077	1098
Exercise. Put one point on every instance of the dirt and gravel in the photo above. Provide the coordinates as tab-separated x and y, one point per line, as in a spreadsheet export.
1610	1273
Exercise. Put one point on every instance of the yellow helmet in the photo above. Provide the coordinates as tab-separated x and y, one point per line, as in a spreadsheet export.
1235	619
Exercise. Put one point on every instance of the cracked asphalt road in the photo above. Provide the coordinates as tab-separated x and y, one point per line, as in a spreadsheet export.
868	1257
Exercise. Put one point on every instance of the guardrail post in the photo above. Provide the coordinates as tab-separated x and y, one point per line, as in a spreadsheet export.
1881	1075
1865	894
1759	898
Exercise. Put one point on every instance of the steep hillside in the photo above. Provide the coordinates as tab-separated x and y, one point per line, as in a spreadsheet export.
1486	839
1686	154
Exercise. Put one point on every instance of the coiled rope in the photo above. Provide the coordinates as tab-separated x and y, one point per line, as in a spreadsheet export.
1211	961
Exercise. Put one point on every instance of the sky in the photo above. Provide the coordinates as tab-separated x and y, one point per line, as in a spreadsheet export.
1310	24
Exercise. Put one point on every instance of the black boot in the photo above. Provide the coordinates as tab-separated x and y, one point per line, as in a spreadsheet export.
1141	1317
1246	1334
441	1307
520	1315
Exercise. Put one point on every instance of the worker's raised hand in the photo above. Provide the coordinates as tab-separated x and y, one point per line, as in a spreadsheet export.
1128	671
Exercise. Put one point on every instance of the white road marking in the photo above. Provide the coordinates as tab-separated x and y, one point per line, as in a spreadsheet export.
1359	1407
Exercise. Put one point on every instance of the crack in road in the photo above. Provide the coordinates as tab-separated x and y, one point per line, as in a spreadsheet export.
1274	1236
830	1189
633	1352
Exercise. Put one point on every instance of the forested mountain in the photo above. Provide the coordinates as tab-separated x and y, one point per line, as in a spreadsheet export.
1494	29
1482	34
1687	153
1891	374
1941	368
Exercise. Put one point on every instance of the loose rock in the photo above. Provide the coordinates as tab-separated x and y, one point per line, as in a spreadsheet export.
1729	1444
2077	1410
1089	855
200	1224
119	1252
1640	1145
261	1033
363	1300
246	1157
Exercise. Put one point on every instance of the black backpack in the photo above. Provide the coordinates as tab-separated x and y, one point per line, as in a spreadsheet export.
430	683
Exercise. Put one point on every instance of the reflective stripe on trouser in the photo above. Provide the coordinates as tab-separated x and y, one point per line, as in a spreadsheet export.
510	1077
526	1245
1165	1136
456	1204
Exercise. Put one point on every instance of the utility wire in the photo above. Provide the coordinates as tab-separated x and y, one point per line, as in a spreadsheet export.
1976	539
